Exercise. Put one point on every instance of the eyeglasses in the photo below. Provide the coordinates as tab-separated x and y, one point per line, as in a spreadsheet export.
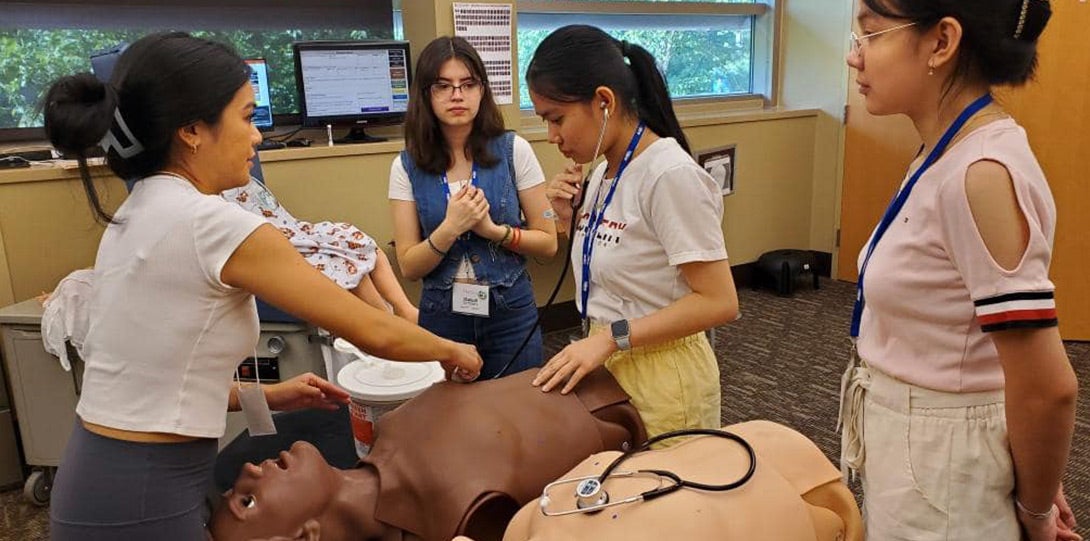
856	41
446	90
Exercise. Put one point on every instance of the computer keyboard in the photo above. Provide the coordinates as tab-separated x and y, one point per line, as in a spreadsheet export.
270	145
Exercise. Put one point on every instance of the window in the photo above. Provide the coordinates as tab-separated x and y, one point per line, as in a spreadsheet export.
47	39
707	49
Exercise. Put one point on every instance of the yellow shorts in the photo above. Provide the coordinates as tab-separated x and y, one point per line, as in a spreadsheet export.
674	385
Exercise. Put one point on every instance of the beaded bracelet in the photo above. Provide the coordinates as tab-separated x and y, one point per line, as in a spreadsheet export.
506	234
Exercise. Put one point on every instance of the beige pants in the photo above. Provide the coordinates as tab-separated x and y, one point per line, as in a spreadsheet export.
935	466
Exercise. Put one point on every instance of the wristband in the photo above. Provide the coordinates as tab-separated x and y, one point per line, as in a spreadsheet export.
515	239
437	251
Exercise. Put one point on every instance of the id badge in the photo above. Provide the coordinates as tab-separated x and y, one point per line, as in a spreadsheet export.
256	408
470	299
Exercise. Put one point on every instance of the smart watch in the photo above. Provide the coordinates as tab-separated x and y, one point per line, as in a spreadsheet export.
620	332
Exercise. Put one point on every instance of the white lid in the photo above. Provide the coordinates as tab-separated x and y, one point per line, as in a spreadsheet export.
344	346
373	379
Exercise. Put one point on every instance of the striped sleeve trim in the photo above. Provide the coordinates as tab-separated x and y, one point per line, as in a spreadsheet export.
1021	310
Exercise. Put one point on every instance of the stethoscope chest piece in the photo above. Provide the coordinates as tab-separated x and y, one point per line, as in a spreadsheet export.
589	493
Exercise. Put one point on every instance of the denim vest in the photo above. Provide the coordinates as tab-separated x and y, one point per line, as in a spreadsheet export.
492	264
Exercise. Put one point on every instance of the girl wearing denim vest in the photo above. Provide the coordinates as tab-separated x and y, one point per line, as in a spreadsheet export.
468	205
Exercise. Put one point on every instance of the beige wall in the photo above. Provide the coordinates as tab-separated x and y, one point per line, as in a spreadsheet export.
48	230
786	179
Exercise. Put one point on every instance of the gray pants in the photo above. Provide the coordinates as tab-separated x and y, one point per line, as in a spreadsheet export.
118	490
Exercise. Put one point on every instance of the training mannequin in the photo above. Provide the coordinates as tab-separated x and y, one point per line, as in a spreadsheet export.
795	494
457	459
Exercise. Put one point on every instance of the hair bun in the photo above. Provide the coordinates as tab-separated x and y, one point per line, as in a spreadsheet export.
78	112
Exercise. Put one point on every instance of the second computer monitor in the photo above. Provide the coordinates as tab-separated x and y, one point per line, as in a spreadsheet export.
352	83
259	80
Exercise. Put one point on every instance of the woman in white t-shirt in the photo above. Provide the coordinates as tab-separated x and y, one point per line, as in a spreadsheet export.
172	310
648	253
468	200
959	416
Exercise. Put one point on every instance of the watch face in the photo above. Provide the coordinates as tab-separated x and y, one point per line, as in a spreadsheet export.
619	327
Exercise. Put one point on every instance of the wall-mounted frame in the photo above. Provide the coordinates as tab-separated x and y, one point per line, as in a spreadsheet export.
720	164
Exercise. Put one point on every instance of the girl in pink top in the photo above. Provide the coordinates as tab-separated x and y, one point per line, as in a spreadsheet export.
959	416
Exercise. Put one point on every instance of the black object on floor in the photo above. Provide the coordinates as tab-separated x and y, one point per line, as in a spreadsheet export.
782	268
329	431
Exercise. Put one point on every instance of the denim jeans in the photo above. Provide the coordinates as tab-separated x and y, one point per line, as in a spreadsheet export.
512	314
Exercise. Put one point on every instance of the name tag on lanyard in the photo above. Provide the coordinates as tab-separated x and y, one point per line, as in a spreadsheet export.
470	299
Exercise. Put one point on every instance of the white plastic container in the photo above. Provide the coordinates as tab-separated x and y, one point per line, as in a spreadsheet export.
376	386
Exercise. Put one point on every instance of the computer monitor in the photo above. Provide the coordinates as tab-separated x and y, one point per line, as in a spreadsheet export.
352	83
259	80
103	62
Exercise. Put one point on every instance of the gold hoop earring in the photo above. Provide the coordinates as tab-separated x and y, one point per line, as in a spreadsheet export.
930	68
193	149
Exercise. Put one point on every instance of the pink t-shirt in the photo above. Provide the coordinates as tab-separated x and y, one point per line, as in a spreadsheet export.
933	290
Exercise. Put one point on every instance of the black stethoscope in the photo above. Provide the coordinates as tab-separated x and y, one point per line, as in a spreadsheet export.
591	496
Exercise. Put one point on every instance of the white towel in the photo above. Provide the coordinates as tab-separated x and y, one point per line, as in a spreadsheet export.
65	318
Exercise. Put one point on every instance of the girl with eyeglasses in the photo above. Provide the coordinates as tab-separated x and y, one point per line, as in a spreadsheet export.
959	406
468	201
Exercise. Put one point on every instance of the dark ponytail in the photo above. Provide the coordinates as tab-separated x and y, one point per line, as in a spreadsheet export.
79	110
572	62
162	82
653	101
999	40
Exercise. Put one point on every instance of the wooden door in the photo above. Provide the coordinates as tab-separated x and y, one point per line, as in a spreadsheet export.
1054	109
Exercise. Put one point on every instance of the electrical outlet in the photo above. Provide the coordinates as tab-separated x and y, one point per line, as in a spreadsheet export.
720	164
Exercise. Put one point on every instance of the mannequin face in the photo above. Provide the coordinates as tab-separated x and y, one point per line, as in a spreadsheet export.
277	497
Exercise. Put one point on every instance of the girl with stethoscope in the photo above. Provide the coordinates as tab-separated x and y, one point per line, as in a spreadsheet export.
468	204
958	406
648	255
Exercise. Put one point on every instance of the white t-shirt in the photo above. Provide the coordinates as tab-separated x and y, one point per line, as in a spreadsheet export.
165	332
528	174
666	211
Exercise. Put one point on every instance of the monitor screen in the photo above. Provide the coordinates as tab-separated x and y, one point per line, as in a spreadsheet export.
352	82
259	80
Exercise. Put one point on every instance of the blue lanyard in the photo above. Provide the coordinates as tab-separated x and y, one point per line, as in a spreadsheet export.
902	196
597	214
446	189
473	181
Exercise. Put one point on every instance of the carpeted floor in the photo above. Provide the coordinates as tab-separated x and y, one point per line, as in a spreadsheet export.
781	361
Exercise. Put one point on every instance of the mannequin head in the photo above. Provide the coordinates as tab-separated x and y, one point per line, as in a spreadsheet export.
299	495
